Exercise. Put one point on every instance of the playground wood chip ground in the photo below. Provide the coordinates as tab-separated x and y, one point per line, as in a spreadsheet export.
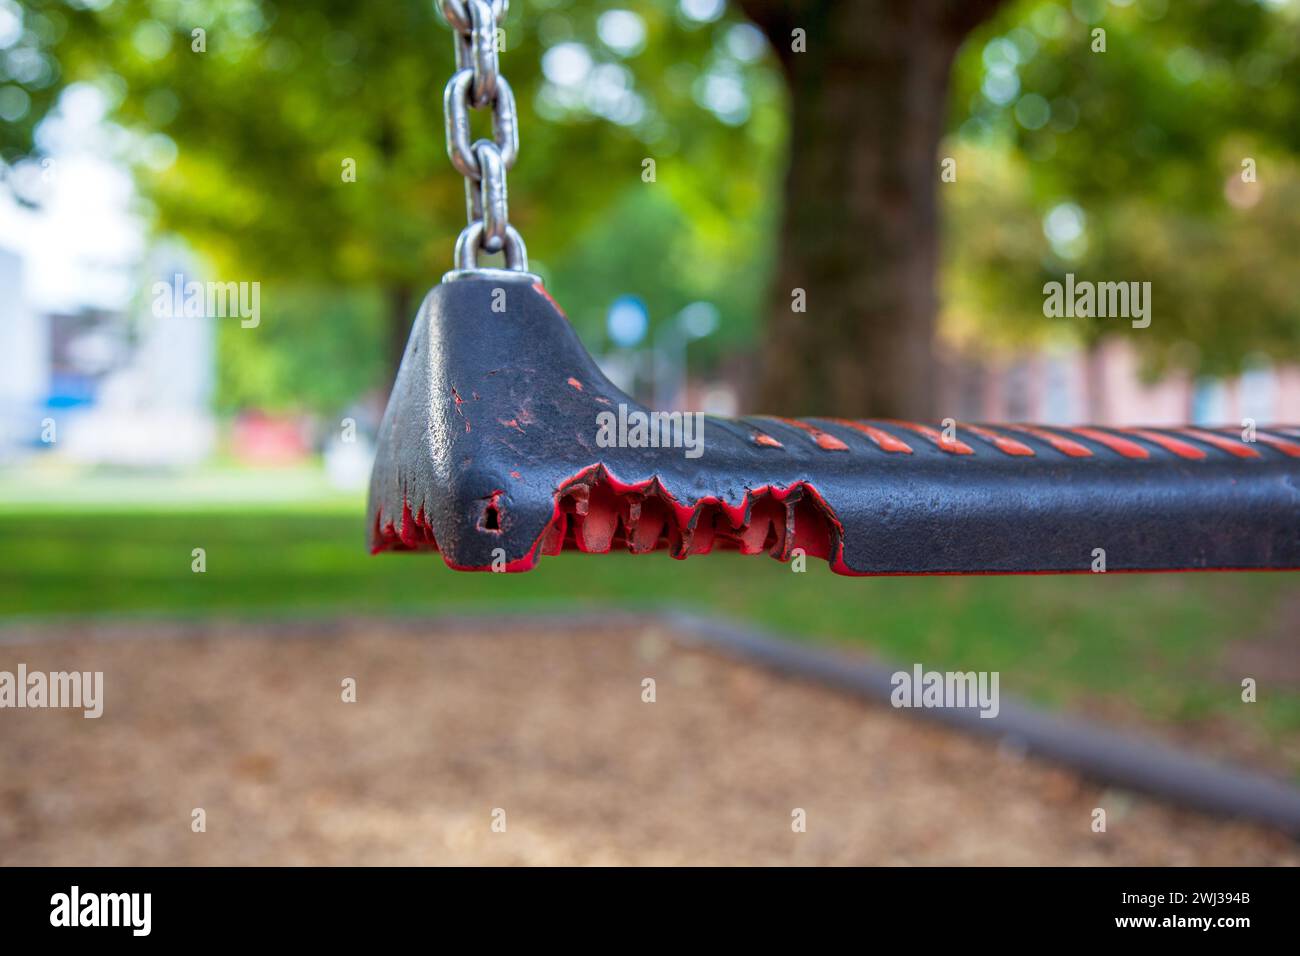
247	722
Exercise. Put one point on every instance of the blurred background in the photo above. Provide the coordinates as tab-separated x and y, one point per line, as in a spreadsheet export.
919	170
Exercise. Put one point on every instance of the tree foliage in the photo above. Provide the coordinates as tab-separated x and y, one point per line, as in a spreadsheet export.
1163	134
1122	163
282	95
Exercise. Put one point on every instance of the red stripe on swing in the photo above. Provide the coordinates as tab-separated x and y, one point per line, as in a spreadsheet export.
1066	446
1238	448
1123	446
1281	444
884	441
823	439
953	447
1008	446
1168	443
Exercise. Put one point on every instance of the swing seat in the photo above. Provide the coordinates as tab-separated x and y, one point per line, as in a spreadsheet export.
495	450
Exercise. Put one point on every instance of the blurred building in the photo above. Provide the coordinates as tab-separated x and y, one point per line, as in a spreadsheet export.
1106	387
24	361
102	386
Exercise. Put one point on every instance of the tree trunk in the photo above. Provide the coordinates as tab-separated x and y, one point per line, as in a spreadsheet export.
860	234
400	318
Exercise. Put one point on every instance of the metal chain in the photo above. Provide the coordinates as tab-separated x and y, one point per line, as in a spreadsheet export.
478	84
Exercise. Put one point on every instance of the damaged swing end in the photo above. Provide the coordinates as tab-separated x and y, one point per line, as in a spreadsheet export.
489	454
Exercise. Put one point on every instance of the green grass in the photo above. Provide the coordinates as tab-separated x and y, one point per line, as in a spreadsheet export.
1152	641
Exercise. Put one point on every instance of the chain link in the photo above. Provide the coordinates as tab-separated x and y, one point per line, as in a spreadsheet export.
478	84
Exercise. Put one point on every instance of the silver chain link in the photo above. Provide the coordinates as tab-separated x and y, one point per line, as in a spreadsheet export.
478	84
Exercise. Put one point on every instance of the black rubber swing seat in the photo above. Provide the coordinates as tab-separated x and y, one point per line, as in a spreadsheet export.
488	453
